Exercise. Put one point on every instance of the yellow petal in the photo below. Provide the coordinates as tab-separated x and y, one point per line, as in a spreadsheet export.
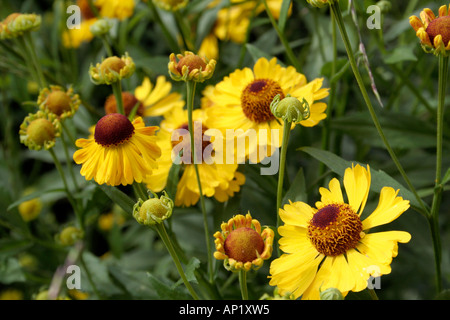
357	185
389	208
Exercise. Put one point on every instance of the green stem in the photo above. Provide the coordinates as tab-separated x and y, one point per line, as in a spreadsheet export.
340	22
165	238
283	39
34	59
20	42
373	294
243	284
68	158
185	31
190	85
437	197
117	90
281	171
69	195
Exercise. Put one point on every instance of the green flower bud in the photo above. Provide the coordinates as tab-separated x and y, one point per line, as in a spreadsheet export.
154	210
290	109
331	294
70	235
101	27
320	3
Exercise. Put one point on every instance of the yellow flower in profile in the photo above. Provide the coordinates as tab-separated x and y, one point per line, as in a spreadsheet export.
158	99
330	247
241	103
59	101
219	180
120	152
433	32
242	245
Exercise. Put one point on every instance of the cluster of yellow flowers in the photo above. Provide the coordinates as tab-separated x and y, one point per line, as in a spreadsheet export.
326	246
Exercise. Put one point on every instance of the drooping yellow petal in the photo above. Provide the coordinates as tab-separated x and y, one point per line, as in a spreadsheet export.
389	208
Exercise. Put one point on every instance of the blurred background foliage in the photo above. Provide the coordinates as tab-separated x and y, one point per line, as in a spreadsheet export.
127	260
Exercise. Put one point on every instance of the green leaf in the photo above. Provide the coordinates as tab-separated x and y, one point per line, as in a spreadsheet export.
399	54
189	271
11	271
166	291
297	189
446	177
257	53
118	197
379	178
284	14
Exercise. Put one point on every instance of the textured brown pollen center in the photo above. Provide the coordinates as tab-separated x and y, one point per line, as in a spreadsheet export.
334	229
243	245
192	62
113	129
440	26
257	97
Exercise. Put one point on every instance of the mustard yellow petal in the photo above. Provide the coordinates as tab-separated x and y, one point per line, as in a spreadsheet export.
331	195
296	214
293	239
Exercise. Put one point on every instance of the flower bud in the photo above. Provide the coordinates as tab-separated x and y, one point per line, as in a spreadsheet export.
190	67
320	3
154	210
331	294
112	69
290	109
101	27
171	5
40	130
70	235
16	24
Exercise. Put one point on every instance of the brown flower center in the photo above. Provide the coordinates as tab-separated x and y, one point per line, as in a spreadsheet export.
40	131
129	102
58	102
181	139
440	26
192	61
112	64
244	245
257	97
334	229
113	129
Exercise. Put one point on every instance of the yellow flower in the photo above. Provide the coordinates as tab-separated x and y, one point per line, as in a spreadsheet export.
157	100
433	32
190	67
55	99
241	102
120	9
30	209
11	294
232	23
107	220
73	38
112	69
40	130
219	180
120	152
242	245
330	247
